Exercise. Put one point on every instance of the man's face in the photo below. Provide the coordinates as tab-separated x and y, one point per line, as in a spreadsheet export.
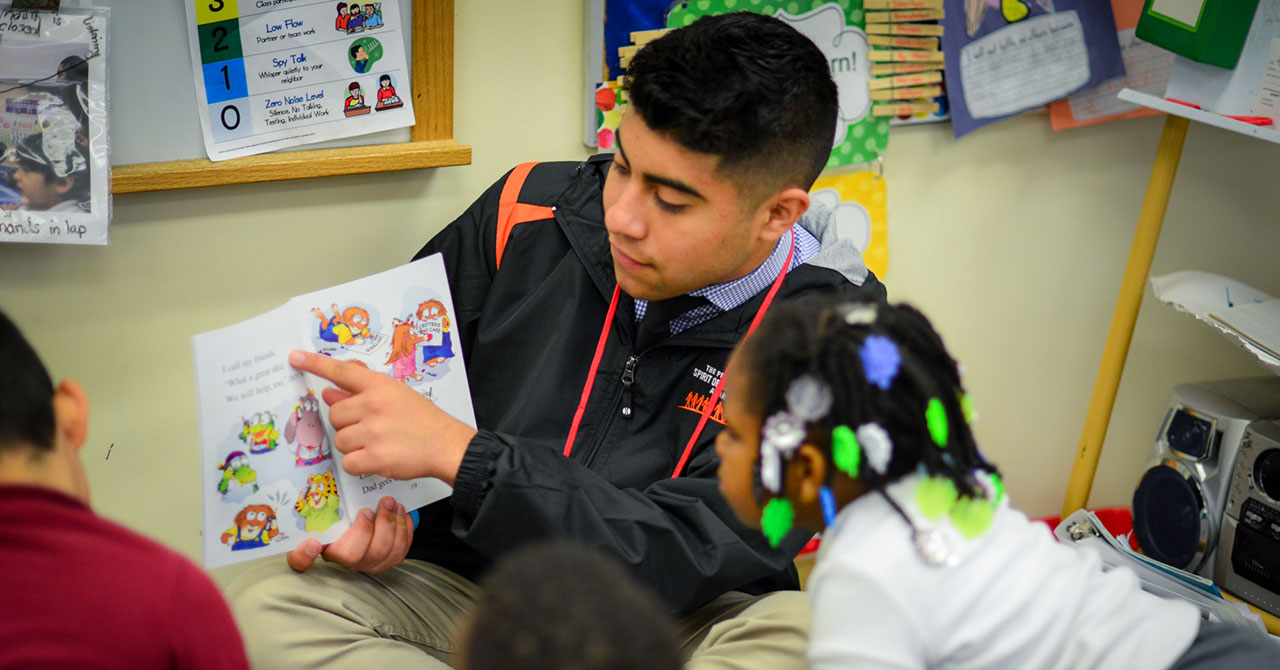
674	224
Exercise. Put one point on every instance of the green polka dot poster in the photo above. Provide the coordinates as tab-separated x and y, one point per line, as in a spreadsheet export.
836	27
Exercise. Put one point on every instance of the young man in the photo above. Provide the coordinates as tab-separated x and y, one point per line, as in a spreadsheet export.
80	591
658	258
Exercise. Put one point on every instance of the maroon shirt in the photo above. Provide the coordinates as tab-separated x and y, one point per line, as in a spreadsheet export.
78	591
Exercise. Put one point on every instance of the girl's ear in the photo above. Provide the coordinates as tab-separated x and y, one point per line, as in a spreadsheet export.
807	474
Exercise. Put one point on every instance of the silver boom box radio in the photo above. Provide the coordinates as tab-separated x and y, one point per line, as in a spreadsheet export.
1178	504
1248	563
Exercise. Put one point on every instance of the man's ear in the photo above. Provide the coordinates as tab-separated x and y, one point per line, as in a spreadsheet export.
783	209
71	413
806	474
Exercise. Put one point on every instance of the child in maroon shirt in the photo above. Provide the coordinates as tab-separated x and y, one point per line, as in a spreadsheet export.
81	591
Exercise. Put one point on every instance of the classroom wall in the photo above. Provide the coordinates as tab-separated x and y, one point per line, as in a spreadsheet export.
1013	239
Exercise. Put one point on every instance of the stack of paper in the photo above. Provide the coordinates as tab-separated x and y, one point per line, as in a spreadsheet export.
1259	322
1242	313
1084	530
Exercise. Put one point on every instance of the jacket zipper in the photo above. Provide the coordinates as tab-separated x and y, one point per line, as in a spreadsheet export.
628	378
590	456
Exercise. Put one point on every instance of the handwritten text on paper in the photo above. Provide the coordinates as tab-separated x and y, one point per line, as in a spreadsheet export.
1024	65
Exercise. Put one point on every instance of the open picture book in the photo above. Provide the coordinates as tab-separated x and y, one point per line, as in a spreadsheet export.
270	476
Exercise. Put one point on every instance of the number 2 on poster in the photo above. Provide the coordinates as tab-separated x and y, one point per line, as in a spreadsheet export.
222	63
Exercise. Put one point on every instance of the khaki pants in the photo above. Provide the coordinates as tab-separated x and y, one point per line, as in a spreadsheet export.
410	616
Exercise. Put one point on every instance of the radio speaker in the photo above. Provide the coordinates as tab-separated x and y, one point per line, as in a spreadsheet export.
1179	502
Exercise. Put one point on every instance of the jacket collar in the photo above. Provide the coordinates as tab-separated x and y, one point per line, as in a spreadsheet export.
580	213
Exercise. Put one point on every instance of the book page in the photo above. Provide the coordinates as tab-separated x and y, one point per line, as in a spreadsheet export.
1204	295
1259	322
400	323
252	482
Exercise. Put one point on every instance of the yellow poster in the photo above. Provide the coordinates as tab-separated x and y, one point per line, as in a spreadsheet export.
859	203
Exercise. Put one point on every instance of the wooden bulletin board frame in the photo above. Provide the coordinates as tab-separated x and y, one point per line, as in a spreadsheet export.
430	144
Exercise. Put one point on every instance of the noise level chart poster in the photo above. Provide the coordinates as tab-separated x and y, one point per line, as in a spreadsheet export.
271	74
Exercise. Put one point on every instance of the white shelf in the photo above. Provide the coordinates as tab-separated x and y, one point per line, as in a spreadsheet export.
1269	133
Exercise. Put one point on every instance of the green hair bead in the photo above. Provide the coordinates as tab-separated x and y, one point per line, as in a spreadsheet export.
936	417
935	496
966	408
972	517
845	451
776	520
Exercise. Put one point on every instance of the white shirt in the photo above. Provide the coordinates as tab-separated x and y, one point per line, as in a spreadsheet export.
1014	598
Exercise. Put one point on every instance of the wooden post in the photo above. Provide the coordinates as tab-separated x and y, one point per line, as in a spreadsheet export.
1125	316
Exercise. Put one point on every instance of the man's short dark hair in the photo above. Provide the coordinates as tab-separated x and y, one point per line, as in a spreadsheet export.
26	393
745	87
567	606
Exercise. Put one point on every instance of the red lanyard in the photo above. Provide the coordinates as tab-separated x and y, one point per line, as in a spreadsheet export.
715	394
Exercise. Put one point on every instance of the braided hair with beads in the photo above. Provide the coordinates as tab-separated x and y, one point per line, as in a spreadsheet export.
890	395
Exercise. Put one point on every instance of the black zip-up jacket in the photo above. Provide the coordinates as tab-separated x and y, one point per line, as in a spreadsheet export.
528	333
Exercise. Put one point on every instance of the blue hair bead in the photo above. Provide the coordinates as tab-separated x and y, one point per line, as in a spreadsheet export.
880	360
828	505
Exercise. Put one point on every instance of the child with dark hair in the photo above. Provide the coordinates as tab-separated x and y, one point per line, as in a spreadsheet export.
567	606
355	19
52	173
74	69
81	591
359	57
850	418
340	23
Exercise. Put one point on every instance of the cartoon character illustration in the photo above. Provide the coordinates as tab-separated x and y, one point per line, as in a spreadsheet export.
404	340
350	326
360	58
340	23
437	345
355	101
355	20
236	470
387	98
318	502
260	433
372	15
304	427
255	527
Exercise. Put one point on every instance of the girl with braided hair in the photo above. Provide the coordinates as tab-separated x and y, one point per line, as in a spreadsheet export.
851	419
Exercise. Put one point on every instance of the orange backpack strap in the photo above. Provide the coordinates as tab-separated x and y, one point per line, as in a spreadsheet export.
511	212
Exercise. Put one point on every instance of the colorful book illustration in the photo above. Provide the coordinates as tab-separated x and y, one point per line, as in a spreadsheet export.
270	476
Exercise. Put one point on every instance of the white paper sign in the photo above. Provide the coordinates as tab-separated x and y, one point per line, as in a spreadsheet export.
1025	64
1182	11
271	74
53	127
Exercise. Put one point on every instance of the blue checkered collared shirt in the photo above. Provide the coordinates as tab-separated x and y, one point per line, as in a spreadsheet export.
730	294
